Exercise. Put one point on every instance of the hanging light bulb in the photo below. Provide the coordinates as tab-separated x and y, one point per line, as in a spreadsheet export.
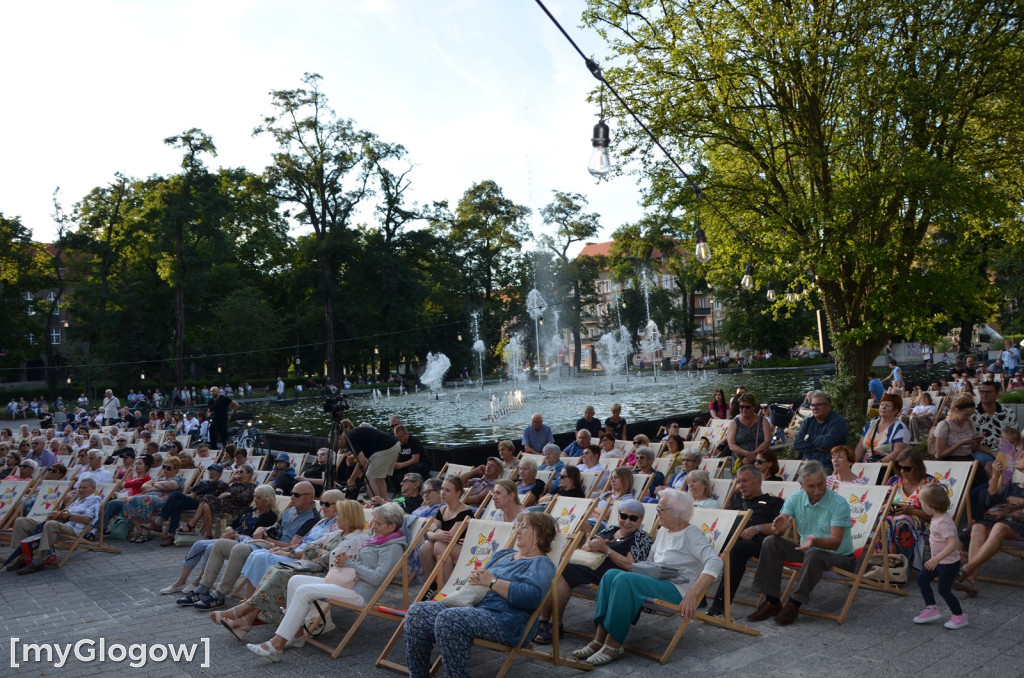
790	297
748	277
802	291
600	163
703	252
771	292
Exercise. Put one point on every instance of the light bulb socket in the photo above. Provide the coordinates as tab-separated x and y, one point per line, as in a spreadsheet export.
602	135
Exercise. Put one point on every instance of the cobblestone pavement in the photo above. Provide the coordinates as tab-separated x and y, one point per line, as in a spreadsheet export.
114	597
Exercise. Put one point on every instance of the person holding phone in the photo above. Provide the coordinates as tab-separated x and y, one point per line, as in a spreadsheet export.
907	521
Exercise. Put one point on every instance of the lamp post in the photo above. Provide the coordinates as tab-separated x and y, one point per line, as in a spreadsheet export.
714	336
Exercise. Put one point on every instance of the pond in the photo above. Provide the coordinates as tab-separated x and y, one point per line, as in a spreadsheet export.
467	415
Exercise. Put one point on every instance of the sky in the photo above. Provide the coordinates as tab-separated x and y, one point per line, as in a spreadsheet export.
474	90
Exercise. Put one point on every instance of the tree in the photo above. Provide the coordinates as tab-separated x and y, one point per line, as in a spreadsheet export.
18	277
755	323
566	212
321	166
839	138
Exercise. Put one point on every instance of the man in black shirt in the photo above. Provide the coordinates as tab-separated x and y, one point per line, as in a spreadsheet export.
218	412
377	453
765	508
412	457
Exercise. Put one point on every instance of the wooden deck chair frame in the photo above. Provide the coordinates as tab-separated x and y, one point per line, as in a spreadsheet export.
450	469
723	537
562	549
863	548
1012	547
958	477
371	606
722	489
500	535
260	477
712	465
72	542
486	506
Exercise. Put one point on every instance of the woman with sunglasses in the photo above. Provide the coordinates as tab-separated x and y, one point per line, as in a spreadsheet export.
320	539
26	471
271	595
146	505
907	521
767	462
622	545
570	484
749	433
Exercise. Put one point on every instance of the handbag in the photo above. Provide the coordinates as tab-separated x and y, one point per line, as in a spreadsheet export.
119	527
344	577
897	568
467	596
589	559
654	570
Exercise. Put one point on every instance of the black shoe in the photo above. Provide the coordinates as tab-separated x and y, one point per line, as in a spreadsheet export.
192	598
210	601
717	609
90	536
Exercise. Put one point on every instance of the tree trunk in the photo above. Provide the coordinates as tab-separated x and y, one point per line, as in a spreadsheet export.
329	334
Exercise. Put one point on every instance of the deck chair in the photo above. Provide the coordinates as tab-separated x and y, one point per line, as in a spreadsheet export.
650	517
594	481
72	542
571	512
712	465
868	506
48	497
779	488
878	473
283	501
538	458
957	476
1012	547
488	536
664	464
486	509
260	477
451	469
190	475
414	530
788	468
721	490
12	492
561	550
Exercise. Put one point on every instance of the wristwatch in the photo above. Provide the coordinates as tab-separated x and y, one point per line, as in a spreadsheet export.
759	528
493	582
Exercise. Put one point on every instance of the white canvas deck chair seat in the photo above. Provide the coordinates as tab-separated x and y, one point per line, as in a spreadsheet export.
12	493
414	530
481	539
713	466
105	491
957	477
48	497
874	472
570	513
788	469
869	505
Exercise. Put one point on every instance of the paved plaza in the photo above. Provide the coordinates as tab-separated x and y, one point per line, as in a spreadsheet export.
114	597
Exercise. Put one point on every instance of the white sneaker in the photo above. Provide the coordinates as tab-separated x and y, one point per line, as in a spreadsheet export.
166	591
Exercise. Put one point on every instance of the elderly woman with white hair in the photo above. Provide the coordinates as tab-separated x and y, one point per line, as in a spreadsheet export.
353	577
678	545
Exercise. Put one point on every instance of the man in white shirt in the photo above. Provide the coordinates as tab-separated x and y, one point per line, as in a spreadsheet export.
96	471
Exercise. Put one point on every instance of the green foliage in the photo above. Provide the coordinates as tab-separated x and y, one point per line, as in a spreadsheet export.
752	322
788	362
874	144
1012	397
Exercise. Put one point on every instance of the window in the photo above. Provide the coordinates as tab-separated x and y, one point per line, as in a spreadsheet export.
29	296
51	297
55	337
31	339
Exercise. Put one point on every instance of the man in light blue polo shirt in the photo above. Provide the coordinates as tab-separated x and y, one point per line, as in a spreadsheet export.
822	519
536	435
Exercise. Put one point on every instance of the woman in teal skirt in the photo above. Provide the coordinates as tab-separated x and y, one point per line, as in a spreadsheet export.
621	594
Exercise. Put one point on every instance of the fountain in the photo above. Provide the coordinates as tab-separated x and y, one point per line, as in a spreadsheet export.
535	306
478	346
555	347
433	374
513	355
650	335
615	347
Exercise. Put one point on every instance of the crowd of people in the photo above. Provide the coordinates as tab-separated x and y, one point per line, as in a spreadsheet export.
278	561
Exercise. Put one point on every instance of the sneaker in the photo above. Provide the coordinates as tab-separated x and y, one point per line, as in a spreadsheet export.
210	601
90	536
193	597
50	559
928	614
956	621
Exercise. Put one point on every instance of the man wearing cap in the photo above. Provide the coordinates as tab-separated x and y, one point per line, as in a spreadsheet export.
283	475
377	453
179	502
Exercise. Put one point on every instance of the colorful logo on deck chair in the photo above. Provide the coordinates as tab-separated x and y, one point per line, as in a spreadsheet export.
565	519
7	495
946	480
482	551
859	507
711	531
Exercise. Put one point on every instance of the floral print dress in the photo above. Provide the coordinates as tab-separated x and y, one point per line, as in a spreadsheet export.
907	533
143	506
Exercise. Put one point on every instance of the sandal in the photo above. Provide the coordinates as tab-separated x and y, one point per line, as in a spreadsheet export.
543	636
186	529
606	655
587	650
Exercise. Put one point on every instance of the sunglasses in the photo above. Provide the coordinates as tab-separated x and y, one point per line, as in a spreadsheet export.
25	466
760	461
326	503
632	519
563	476
746	407
905	468
301	494
167	468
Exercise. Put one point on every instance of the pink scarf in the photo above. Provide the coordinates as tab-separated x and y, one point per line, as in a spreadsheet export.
377	540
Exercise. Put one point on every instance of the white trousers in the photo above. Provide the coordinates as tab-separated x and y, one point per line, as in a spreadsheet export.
303	590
